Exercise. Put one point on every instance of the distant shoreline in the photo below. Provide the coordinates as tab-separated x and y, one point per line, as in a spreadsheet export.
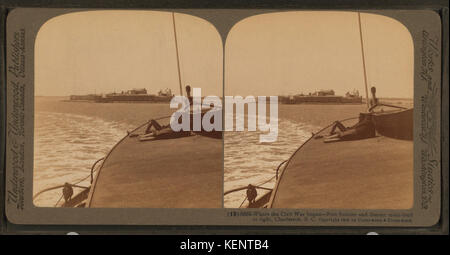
127	102
386	98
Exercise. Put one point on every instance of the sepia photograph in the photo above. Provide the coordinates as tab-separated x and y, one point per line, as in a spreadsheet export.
317	111
344	84
223	118
104	82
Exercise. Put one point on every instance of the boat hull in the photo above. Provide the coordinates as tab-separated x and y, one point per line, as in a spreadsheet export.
184	172
398	124
373	173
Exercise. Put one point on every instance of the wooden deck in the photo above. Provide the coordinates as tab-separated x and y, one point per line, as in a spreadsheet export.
374	173
168	173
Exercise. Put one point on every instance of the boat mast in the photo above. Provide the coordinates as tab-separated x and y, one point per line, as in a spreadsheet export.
176	50
363	60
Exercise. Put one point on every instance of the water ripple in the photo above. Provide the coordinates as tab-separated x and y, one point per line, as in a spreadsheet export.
249	161
66	145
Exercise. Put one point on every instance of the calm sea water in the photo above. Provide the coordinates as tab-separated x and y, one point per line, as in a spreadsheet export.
71	136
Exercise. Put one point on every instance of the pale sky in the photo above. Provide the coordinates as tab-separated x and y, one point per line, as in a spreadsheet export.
294	52
269	54
106	51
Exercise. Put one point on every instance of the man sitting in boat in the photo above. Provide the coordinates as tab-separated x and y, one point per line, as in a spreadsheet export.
374	100
365	128
188	93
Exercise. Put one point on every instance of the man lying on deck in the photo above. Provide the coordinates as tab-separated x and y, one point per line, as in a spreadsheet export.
365	128
155	130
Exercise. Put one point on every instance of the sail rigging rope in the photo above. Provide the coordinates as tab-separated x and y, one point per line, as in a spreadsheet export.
176	50
57	202
363	59
242	188
243	201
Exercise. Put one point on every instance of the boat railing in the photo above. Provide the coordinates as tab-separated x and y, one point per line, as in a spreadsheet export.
67	191
388	105
251	187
